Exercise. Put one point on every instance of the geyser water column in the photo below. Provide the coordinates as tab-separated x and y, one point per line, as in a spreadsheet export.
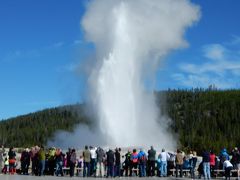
131	37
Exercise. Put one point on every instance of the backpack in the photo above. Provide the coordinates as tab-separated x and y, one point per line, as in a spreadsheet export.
143	158
134	158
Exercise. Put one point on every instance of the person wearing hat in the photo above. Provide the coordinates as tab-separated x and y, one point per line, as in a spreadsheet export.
235	158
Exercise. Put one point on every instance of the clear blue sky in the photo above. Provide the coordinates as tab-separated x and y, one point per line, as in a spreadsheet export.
41	44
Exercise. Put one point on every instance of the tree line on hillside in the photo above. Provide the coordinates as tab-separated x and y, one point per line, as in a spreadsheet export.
37	128
203	118
200	118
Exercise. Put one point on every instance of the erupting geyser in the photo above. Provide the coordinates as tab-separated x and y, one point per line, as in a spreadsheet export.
131	38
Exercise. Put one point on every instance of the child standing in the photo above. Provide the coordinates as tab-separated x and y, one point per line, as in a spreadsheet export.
6	164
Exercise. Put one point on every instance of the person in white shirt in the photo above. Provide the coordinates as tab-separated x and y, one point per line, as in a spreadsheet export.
93	160
227	166
164	156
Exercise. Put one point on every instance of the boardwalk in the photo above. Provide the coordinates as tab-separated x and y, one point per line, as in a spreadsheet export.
21	177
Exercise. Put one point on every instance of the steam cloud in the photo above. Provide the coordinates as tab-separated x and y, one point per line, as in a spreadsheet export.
82	136
131	38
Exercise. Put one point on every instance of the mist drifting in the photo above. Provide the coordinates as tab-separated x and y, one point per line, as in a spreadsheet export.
131	38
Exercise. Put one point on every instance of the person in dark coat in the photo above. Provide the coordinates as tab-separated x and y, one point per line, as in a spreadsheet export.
12	160
68	154
193	162
34	159
117	163
127	163
73	159
206	164
59	156
25	161
100	162
200	170
151	161
110	163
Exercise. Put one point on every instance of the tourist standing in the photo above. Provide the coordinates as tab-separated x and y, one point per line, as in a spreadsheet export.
110	163
93	160
193	162
59	156
127	163
73	159
206	164
68	154
235	158
12	160
2	151
25	161
227	166
100	162
51	160
42	159
179	162
34	159
134	161
6	165
212	162
86	162
117	163
223	155
237	161
79	165
152	161
164	156
142	163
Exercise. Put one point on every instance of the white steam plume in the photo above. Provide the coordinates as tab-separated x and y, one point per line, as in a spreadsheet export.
81	136
131	38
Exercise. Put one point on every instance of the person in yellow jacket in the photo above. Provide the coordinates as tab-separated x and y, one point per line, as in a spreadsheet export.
51	160
6	164
42	159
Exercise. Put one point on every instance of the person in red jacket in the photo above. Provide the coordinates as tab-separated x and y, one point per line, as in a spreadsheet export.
12	160
134	161
212	163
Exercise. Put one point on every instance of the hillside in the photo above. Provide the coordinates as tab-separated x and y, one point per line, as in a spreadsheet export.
200	118
37	128
203	119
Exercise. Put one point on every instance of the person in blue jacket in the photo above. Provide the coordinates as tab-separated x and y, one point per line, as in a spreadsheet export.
142	163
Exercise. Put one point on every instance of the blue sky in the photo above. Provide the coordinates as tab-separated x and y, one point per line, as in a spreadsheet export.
41	44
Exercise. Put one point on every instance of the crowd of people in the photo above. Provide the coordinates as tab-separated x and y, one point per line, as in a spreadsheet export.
99	162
